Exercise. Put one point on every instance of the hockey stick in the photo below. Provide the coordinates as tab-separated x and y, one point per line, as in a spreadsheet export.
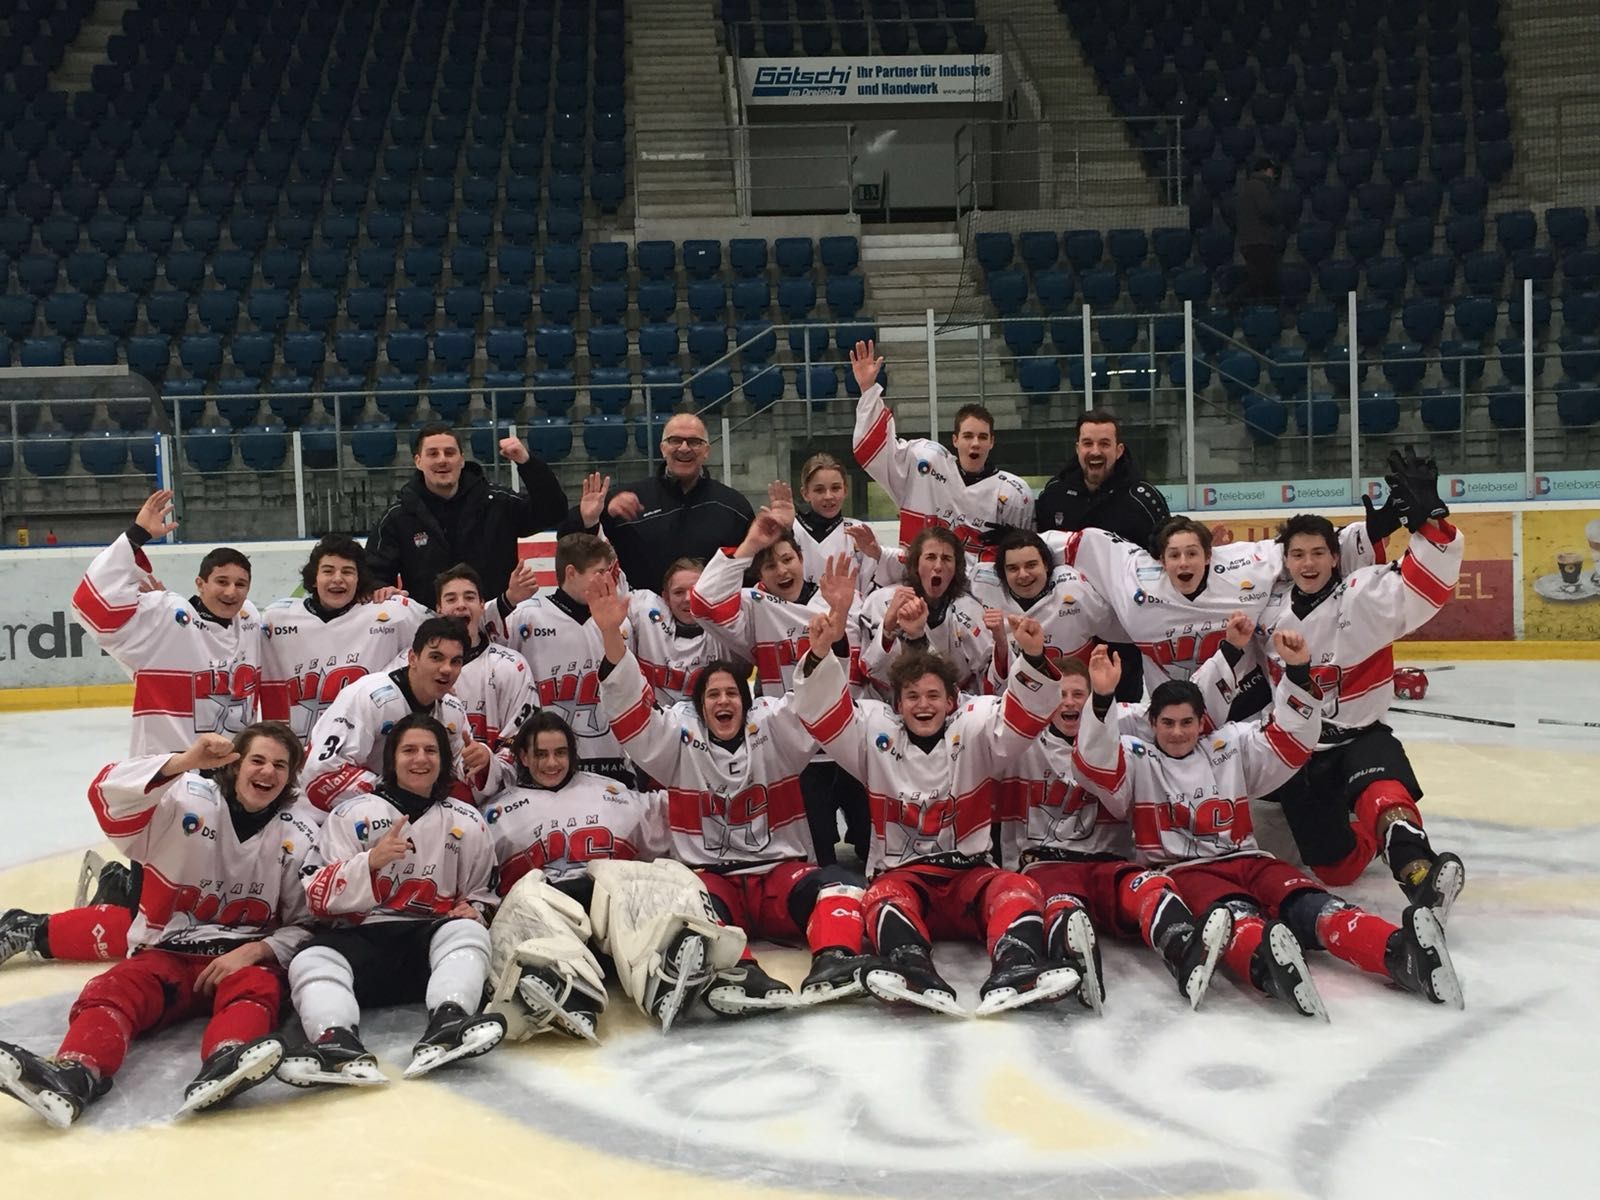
1570	724
1422	712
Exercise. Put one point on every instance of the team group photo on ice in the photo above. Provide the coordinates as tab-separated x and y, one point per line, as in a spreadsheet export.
1036	723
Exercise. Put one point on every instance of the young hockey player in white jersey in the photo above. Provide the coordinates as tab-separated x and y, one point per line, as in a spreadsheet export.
316	644
738	817
930	767
824	532
555	634
1025	579
221	914
345	758
1187	795
195	663
932	611
930	484
403	878
495	685
1358	796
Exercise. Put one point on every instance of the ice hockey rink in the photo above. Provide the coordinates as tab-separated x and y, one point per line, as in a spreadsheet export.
1243	1099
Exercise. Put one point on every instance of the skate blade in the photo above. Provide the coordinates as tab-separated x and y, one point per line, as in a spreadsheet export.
729	1001
477	1038
1447	885
56	1109
308	1073
1286	952
1214	935
889	987
689	962
1443	983
88	876
536	994
1051	985
257	1063
1081	941
826	993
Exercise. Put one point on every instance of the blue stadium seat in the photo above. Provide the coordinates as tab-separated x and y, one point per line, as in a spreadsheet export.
555	390
356	350
263	447
317	308
608	345
208	448
374	445
1580	356
469	265
707	298
218	310
702	258
657	300
1288	372
756	341
608	262
993	250
1508	408
550	436
1054	289
319	447
1515	230
656	260
1484	272
1317	324
86	271
116	312
1440	412
793	256
658	343
1128	247
1008	290
707	341
201	354
748	257
796	297
463	306
1084	248
237	402
407	350
840	254
47	454
1403	366
1568	228
1038	249
1024	336
610	389
507	349
414	306
1577	407
820	384
845	295
662	390
605	436
555	346
104	452
562	263
1039	378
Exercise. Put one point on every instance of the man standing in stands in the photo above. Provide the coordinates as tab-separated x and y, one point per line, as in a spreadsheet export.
449	513
1261	229
1104	489
681	512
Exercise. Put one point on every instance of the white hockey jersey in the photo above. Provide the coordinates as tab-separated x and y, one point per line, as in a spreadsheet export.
1048	813
768	630
564	656
561	832
927	804
735	810
960	636
815	552
1352	631
449	858
191	673
306	661
496	688
345	758
669	654
1197	806
205	891
1071	612
924	480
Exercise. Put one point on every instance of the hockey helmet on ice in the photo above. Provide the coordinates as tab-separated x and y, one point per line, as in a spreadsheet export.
1411	683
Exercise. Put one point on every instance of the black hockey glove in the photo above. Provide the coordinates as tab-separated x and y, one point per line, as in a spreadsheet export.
1415	483
992	535
1382	522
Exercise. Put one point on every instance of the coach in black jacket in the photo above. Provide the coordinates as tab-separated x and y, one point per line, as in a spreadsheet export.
448	512
681	512
1103	489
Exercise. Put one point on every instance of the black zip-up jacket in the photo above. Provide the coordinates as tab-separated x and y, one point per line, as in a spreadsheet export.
1125	504
422	534
672	524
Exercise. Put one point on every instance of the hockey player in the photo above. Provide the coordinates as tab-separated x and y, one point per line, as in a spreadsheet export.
934	610
929	484
1187	795
1078	854
404	875
347	745
220	916
1358	795
494	685
1024	579
929	766
824	531
557	637
316	644
737	816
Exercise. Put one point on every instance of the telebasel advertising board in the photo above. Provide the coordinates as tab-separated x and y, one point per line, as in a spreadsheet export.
956	77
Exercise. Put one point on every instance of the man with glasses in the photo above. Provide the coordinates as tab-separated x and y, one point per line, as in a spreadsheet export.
680	512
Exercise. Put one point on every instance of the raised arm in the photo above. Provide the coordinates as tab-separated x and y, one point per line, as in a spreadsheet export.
1274	752
125	795
715	597
821	696
877	446
542	503
116	589
1097	756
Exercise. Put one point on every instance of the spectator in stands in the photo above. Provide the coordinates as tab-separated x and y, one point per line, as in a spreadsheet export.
1104	489
679	513
449	513
1261	218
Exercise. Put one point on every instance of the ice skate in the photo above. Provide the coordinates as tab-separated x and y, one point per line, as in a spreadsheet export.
88	876
1439	886
57	1091
1072	941
746	989
1419	960
1192	956
907	976
232	1070
454	1034
835	975
112	882
337	1057
683	978
1021	977
19	933
557	1002
1278	968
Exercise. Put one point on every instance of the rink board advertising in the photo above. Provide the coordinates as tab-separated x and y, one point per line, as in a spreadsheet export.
950	79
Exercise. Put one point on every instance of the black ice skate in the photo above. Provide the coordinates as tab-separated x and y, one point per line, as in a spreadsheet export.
57	1091
1429	879
336	1057
231	1070
683	978
19	933
1072	941
746	989
558	1001
1419	961
835	975
1021	977
906	976
112	883
1278	968
1192	954
452	1034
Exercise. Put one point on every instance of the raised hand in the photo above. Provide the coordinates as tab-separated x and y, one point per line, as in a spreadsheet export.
592	500
1105	671
1415	483
513	449
824	630
1221	535
1291	647
208	752
764	531
838	585
524	582
625	506
914	617
1240	627
1028	634
155	514
994	621
379	595
865	364
475	756
780	502
391	847
606	606
864	540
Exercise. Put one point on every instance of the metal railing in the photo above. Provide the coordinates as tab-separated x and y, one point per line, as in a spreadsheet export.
811	180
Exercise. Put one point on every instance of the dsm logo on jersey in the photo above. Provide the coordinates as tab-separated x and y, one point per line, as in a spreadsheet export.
881	741
192	823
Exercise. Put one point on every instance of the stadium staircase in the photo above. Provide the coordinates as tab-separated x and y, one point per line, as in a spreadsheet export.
88	49
1552	43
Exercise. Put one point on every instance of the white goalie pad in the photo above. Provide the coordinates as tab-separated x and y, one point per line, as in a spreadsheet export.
539	926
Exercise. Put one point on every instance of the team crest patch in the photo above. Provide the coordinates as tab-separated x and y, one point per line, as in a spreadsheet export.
1299	706
419	540
192	823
